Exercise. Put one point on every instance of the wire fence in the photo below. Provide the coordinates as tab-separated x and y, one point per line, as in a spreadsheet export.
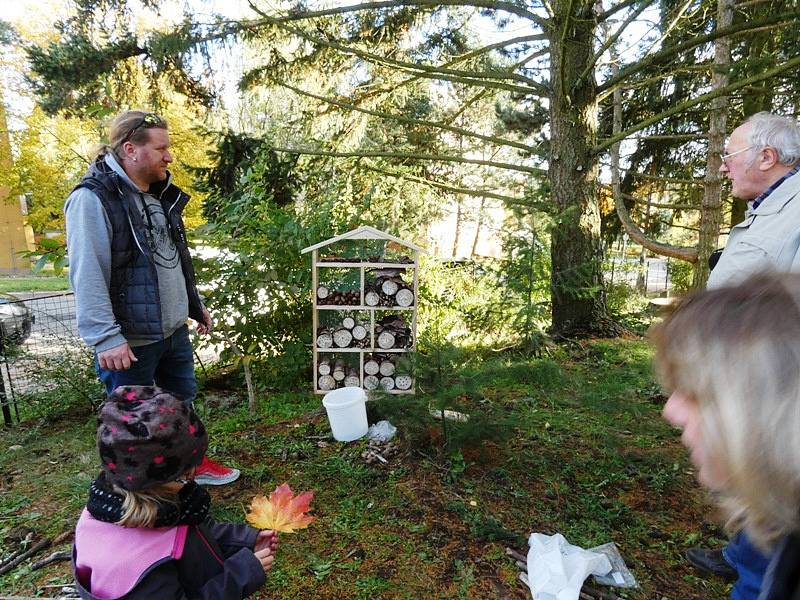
651	276
39	350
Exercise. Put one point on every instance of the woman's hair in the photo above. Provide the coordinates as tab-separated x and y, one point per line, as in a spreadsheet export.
735	351
129	126
140	508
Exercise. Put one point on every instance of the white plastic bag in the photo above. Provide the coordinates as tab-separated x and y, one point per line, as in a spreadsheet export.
557	569
382	431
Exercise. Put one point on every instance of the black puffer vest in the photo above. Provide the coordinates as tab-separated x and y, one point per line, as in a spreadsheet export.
134	282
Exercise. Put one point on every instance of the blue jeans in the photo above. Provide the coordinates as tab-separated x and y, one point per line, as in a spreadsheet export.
169	364
750	564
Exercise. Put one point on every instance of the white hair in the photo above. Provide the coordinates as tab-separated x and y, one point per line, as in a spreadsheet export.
776	131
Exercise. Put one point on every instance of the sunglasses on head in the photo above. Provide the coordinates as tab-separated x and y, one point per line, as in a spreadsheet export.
147	120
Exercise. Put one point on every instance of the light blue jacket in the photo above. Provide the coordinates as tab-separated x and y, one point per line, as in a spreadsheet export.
767	240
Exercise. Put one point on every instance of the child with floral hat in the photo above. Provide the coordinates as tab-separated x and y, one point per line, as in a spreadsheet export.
145	531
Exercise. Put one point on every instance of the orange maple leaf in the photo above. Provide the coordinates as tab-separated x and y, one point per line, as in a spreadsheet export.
282	512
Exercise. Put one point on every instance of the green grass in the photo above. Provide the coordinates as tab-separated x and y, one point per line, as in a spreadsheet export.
32	283
586	454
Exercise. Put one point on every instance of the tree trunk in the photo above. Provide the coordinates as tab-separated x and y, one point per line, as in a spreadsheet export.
478	227
578	297
457	238
711	207
641	275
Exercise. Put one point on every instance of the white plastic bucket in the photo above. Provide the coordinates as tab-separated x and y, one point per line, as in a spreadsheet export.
347	413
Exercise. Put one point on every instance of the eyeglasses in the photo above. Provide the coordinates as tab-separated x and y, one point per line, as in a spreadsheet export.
725	157
147	120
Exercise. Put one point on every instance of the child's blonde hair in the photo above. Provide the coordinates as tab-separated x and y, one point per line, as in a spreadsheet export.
140	508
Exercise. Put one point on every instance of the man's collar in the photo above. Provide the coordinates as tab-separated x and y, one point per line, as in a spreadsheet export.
763	196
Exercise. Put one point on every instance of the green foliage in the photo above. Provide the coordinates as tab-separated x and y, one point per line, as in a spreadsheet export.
50	155
462	303
72	71
450	409
621	298
49	251
61	383
526	271
680	274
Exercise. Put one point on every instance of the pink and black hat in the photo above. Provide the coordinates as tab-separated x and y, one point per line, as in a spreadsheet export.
146	437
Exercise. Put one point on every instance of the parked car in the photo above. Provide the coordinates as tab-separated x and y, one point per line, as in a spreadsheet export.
16	321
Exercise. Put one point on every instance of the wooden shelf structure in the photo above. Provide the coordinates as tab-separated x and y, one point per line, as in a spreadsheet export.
363	267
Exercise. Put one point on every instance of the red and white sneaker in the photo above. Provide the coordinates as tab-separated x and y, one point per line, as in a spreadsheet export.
209	472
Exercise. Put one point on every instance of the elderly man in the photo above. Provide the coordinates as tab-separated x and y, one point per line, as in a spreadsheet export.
130	267
762	161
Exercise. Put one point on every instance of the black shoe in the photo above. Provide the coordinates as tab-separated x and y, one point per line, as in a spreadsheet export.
711	561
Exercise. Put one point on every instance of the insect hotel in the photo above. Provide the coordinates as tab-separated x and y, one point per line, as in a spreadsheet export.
364	284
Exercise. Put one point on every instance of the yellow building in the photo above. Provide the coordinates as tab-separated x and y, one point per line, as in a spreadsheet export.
15	235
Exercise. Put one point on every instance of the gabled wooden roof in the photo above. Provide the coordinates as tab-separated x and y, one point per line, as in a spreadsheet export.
365	232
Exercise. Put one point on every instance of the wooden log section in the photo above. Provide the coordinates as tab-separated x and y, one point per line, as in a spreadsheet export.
387	367
342	337
323	292
387	383
372	298
389	287
338	370
371	382
392	332
326	383
386	340
403	382
324	339
404	297
352	379
359	332
371	366
348	322
324	367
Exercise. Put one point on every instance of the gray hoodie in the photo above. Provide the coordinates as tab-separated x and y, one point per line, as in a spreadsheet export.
89	250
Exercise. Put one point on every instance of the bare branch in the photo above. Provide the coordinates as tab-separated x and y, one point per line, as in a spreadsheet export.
686	253
421	70
414	156
678	136
613	38
631	228
615	9
383	115
668	179
743	28
786	66
509	7
658	204
501	44
447	187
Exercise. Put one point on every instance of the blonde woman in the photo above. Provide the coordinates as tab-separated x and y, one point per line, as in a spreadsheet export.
731	358
145	532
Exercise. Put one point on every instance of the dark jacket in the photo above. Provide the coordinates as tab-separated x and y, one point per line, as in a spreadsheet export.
133	289
211	561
